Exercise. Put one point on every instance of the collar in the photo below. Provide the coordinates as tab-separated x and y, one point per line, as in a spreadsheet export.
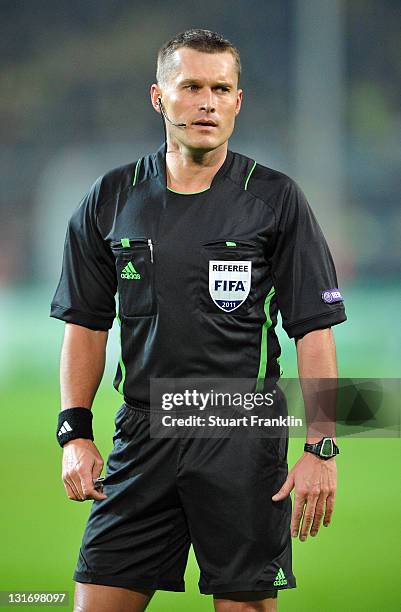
160	163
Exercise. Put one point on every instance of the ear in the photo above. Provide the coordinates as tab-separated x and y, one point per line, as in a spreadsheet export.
240	95
155	94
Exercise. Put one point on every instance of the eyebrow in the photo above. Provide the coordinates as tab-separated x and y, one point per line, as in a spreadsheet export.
199	82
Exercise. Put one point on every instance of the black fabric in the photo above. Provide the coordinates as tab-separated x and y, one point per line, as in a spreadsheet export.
86	290
170	325
74	423
302	268
165	493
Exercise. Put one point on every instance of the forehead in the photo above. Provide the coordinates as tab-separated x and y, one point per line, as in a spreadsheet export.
192	64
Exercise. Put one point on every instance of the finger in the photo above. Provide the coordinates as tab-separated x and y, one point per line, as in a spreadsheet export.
308	517
329	509
70	491
67	480
319	513
97	469
285	489
299	503
75	482
89	490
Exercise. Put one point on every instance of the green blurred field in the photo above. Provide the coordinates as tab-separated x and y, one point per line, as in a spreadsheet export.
352	565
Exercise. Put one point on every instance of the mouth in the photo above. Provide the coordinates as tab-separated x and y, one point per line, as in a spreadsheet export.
205	123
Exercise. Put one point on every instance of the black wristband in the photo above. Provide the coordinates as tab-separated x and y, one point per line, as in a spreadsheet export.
74	423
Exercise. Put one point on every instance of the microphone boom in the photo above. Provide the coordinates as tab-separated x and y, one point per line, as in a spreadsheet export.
163	112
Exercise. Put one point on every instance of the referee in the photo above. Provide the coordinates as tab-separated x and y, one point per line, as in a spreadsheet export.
203	247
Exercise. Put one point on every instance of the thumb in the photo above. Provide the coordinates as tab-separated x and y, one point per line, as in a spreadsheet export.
285	489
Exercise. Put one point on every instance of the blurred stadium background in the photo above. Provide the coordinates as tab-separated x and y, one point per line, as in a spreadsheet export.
322	83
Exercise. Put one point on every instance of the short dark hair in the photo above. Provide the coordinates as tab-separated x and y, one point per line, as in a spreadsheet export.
200	40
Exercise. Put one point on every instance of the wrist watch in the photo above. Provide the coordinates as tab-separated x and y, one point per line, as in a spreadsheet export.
326	448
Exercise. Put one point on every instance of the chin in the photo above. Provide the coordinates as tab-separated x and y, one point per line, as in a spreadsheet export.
205	143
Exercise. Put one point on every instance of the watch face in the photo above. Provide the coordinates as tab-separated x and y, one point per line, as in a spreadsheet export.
327	448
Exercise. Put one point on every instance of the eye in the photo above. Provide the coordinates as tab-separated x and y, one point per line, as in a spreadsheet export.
223	88
192	87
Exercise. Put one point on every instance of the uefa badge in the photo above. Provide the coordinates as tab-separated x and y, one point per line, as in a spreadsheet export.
229	283
331	296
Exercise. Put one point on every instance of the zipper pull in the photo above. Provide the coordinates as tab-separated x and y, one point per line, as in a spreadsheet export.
151	249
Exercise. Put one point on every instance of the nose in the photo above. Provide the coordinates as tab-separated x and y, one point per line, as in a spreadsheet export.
207	104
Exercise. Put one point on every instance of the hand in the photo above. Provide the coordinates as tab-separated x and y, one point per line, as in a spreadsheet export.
82	463
315	482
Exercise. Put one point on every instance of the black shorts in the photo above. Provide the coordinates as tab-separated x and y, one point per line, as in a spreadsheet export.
166	493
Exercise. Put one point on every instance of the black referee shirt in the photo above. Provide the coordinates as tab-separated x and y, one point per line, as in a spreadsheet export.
199	277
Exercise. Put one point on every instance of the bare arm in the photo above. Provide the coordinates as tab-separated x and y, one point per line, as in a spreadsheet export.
316	353
83	356
314	479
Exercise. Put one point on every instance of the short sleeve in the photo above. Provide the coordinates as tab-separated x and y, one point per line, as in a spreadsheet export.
85	294
303	271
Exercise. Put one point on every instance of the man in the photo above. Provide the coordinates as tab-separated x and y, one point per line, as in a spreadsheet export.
159	231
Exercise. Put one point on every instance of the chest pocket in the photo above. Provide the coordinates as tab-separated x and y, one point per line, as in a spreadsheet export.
135	275
228	270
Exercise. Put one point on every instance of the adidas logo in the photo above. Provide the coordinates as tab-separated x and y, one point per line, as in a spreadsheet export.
64	428
280	580
130	273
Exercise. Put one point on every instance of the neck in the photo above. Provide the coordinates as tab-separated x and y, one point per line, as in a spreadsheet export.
192	170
